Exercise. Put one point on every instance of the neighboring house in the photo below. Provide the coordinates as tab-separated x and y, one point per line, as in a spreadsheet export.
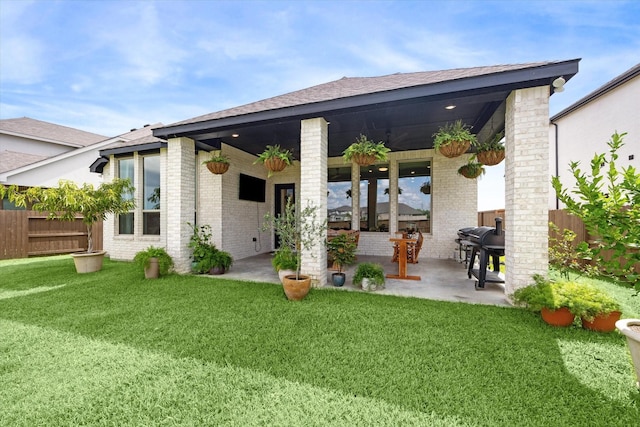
582	130
173	188
36	153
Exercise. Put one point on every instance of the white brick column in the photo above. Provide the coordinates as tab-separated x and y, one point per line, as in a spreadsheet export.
181	200
355	196
314	141
526	186
393	197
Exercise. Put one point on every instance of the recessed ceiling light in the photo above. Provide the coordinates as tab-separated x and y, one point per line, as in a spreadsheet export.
450	107
235	135
383	169
413	172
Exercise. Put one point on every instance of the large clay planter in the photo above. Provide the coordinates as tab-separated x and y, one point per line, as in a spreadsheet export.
603	323
88	262
455	149
559	317
296	289
153	270
631	329
490	158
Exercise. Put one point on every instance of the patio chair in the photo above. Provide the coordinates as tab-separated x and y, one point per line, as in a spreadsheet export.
413	250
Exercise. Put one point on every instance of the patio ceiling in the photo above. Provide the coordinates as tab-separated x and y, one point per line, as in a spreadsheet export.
403	110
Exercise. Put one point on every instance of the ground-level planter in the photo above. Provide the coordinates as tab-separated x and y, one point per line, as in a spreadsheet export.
631	329
153	270
86	262
338	279
284	272
602	323
217	271
559	317
296	289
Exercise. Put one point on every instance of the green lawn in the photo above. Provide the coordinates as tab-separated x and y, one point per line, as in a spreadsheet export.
110	348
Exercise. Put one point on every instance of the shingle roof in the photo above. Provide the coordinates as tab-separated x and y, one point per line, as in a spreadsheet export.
354	86
137	137
10	160
37	129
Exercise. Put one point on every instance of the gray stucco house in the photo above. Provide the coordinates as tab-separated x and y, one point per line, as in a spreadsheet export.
318	123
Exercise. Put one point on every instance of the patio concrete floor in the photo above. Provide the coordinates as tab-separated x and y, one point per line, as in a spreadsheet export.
441	279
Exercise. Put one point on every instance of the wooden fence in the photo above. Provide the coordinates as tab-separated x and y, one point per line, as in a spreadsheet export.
559	217
29	233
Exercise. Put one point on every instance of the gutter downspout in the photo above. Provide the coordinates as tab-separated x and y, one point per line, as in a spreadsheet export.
557	161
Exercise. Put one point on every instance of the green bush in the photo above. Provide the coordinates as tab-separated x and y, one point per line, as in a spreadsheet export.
366	147
450	132
284	259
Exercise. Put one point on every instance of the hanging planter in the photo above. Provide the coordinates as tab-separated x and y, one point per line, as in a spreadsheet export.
275	159
491	153
453	139
425	188
471	170
365	152
218	163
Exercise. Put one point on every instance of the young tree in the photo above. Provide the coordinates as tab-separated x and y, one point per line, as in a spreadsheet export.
608	202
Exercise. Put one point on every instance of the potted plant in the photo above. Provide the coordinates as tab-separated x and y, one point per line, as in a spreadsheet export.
284	262
365	152
297	231
204	253
68	201
471	170
547	297
598	311
342	251
491	153
275	158
221	261
425	188
154	261
631	329
218	163
369	275
453	139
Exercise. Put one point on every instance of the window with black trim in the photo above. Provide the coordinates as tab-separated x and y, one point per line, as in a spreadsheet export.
126	170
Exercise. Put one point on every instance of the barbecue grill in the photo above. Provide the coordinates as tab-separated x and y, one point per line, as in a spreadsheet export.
485	242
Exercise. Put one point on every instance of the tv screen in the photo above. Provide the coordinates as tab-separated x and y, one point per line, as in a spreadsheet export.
252	188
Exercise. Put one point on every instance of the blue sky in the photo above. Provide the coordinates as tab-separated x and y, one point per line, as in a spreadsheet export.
109	66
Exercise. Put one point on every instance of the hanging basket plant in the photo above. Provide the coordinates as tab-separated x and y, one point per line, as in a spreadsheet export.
453	139
425	188
218	163
275	158
471	170
492	152
365	152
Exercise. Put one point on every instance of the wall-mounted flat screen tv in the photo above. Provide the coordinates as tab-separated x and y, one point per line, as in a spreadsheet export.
252	188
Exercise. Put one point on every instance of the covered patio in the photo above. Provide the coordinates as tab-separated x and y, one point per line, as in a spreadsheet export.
317	124
441	279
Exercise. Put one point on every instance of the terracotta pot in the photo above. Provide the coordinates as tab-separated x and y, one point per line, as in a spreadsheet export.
455	149
217	167
364	159
490	158
559	317
88	262
296	289
275	164
602	323
153	270
631	329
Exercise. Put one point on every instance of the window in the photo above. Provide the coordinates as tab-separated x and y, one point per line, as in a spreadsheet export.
125	221
339	197
151	195
414	196
374	198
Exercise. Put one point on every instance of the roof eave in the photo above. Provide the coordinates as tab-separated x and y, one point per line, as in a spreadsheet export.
513	79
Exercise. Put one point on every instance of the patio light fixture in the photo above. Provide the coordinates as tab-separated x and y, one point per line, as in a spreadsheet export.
450	107
558	84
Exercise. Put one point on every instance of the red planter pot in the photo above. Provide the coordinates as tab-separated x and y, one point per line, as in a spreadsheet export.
603	323
559	317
